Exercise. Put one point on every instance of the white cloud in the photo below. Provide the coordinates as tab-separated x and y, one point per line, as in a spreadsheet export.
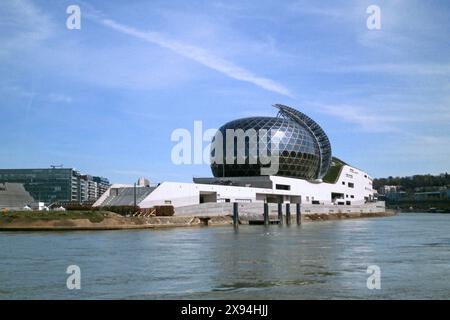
27	26
201	56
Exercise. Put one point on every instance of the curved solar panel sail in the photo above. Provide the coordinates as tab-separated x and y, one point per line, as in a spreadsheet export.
319	135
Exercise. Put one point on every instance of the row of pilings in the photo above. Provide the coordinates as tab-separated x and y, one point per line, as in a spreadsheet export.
266	214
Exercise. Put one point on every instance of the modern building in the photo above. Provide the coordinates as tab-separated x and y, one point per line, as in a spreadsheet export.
56	184
307	173
388	189
442	194
396	196
304	150
102	185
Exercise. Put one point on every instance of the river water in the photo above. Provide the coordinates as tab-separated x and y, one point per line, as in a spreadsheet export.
319	260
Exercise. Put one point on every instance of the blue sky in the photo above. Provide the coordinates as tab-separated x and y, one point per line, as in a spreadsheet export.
105	99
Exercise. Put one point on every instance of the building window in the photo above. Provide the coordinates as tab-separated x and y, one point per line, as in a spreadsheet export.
348	203
343	182
352	196
307	198
282	187
351	185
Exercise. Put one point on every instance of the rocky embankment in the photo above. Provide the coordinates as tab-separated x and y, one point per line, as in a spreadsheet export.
338	216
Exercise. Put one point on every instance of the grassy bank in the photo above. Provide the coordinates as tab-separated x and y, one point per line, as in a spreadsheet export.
92	216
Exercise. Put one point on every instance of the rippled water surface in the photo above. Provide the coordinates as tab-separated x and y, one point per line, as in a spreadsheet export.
314	261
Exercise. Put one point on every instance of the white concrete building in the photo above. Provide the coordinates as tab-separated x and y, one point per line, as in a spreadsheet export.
352	187
306	171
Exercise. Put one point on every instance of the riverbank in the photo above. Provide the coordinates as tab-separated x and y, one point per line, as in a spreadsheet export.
105	220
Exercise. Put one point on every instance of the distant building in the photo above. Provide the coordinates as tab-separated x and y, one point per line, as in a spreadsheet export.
91	188
388	189
143	182
57	184
102	185
396	196
432	195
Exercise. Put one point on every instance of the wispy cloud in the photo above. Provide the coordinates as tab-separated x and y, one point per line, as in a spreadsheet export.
26	23
199	55
423	147
397	69
387	116
365	119
58	97
308	8
21	92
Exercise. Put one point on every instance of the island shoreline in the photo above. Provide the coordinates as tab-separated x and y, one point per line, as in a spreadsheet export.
136	223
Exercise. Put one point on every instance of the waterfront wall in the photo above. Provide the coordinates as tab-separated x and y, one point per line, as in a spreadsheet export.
253	209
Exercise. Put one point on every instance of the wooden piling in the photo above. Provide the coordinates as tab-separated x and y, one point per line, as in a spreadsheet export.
299	214
280	212
288	214
266	214
235	214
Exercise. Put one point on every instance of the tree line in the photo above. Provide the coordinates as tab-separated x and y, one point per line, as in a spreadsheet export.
413	182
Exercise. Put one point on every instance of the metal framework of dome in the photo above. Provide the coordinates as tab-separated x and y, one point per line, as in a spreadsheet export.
317	132
304	150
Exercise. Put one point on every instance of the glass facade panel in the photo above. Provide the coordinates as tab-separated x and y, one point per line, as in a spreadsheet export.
56	184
